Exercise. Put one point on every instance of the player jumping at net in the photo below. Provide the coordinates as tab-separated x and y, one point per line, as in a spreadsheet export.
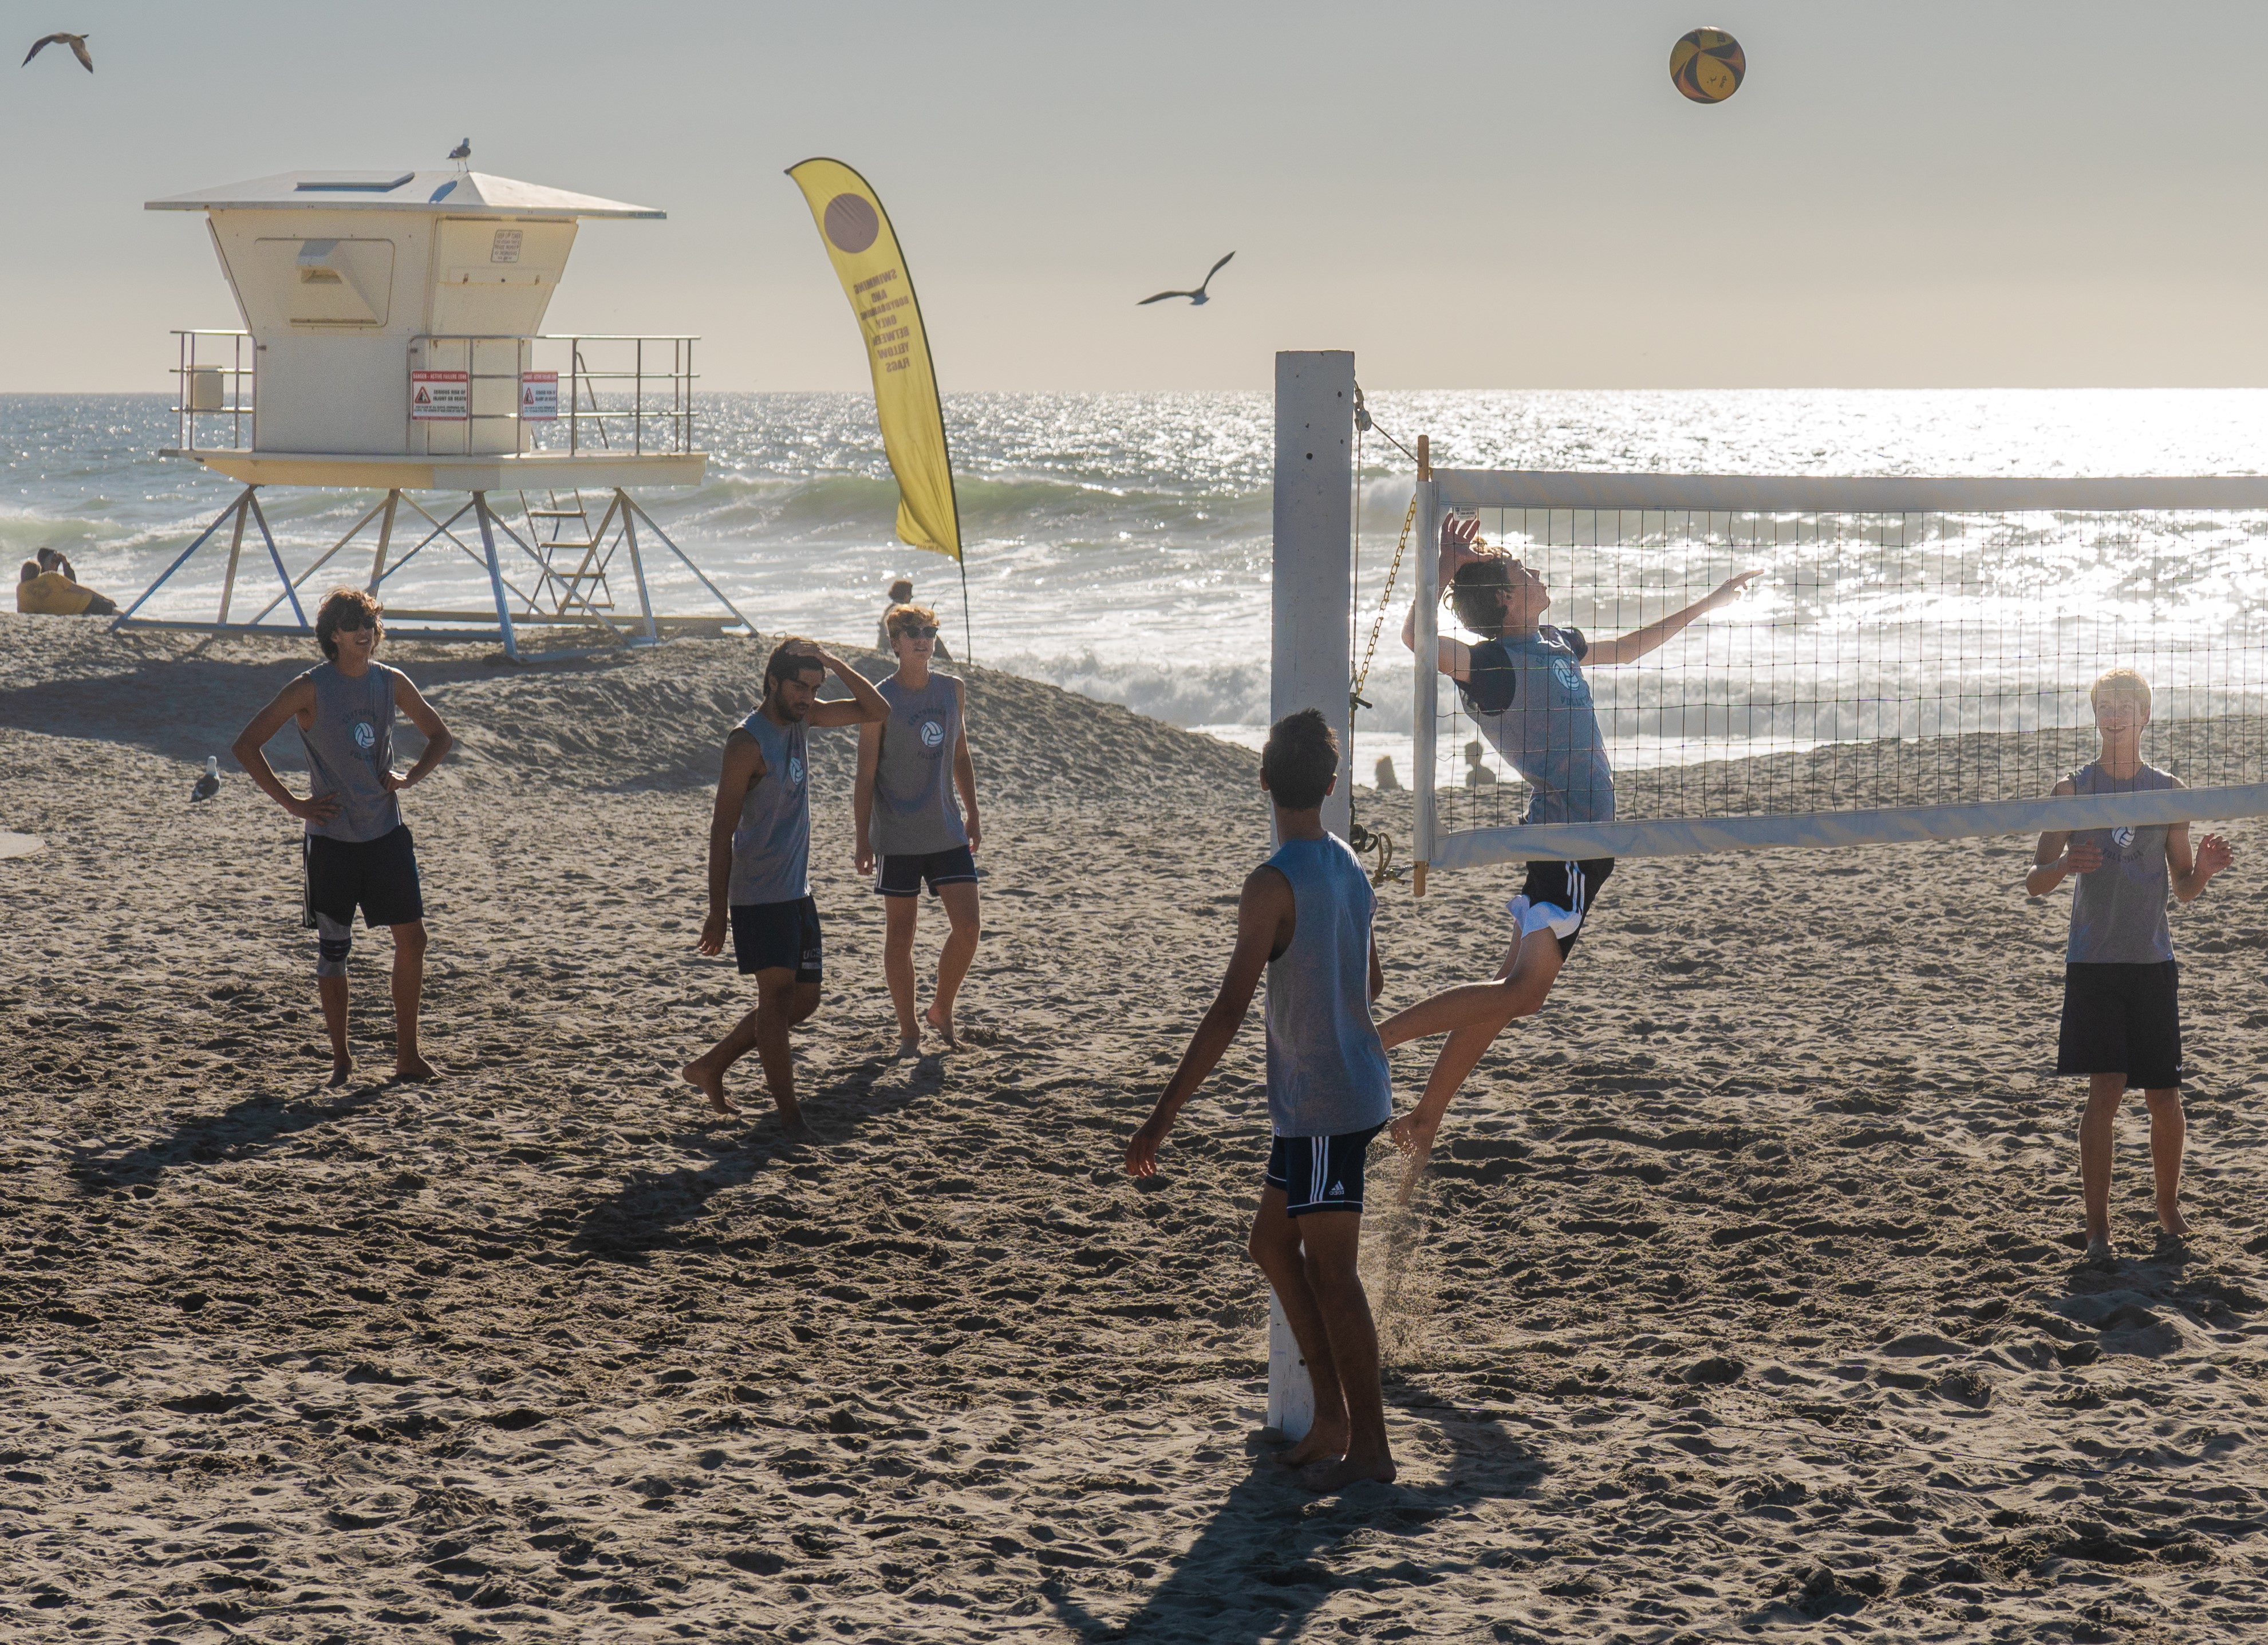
1305	916
903	808
2121	1019
1523	685
759	867
358	851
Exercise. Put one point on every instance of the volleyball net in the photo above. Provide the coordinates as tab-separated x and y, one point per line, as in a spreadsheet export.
1913	662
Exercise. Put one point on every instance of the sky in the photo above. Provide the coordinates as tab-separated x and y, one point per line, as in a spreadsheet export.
1469	195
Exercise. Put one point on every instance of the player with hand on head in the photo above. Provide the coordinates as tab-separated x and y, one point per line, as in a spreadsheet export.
759	867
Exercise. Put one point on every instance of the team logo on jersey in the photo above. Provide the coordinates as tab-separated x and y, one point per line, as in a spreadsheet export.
1570	677
794	768
2124	837
932	733
366	736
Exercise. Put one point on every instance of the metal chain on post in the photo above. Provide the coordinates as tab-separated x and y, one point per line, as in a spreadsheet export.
1358	837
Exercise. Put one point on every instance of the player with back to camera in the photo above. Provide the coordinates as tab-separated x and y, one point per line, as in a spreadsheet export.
358	851
759	867
2121	1015
902	808
1305	915
1523	685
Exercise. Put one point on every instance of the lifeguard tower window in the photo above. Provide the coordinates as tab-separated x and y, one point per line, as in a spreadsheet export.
329	282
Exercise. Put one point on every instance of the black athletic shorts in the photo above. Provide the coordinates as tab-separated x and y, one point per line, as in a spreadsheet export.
2123	1019
1320	1173
777	936
1557	897
379	876
902	873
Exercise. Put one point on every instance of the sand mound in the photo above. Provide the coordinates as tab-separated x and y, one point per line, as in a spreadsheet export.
1742	1299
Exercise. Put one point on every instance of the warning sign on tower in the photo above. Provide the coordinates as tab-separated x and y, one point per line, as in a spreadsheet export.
539	396
440	396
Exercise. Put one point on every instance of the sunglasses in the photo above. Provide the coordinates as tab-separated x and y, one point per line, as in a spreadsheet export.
910	631
353	622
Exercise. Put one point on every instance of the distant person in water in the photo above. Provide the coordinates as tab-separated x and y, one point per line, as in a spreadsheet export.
909	766
2121	1017
1305	916
759	867
901	593
45	587
357	853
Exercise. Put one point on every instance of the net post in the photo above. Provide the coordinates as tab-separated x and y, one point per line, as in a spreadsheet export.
1312	595
1424	695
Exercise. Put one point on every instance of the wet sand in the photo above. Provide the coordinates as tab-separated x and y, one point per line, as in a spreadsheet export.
1743	1301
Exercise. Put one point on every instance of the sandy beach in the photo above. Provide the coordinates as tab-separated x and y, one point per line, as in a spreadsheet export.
1745	1300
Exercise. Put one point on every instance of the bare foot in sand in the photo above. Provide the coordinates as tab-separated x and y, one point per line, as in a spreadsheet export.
342	1071
1320	1444
1326	1477
709	1082
2098	1248
909	1048
2171	1220
793	1129
414	1069
1416	1141
944	1027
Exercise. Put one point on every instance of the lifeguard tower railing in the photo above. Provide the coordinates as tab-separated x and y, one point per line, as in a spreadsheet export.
621	395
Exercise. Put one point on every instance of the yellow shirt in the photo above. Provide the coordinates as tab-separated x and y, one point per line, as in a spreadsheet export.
51	594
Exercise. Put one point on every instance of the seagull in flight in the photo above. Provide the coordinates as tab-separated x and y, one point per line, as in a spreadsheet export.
77	42
209	785
1196	296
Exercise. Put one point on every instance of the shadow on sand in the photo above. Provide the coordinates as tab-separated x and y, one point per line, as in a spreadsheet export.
1258	1571
254	1124
650	1211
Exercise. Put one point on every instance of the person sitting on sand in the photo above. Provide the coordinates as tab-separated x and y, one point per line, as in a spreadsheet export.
902	593
1523	685
1305	914
2121	1019
357	851
45	590
759	867
908	766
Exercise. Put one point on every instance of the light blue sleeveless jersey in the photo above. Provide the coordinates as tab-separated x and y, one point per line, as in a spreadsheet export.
1528	696
771	849
2119	911
1326	1068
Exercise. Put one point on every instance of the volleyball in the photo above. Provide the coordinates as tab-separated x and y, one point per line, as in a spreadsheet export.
1707	65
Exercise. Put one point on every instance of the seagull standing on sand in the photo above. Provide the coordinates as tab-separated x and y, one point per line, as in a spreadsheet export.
209	785
77	42
1196	296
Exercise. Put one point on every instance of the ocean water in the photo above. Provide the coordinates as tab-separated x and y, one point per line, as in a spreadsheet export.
1118	545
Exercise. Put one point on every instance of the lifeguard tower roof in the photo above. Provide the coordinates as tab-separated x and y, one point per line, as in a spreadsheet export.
438	192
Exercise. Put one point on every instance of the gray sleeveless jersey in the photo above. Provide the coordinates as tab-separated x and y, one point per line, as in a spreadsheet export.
351	749
915	810
771	849
1326	1068
1529	698
2119	911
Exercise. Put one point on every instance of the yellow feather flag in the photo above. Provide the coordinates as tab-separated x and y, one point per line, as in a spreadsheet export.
865	250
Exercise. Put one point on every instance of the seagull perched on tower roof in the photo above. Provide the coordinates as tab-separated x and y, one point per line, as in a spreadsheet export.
463	152
1196	296
77	42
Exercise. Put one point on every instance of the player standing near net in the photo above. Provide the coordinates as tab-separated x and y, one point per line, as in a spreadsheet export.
903	809
1305	916
1523	685
358	851
2121	1018
759	867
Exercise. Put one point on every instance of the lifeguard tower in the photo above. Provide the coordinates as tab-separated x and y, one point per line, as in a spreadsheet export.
393	343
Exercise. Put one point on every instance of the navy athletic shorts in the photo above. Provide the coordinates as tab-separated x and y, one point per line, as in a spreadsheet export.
2123	1019
1320	1173
902	873
777	936
378	876
1557	897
